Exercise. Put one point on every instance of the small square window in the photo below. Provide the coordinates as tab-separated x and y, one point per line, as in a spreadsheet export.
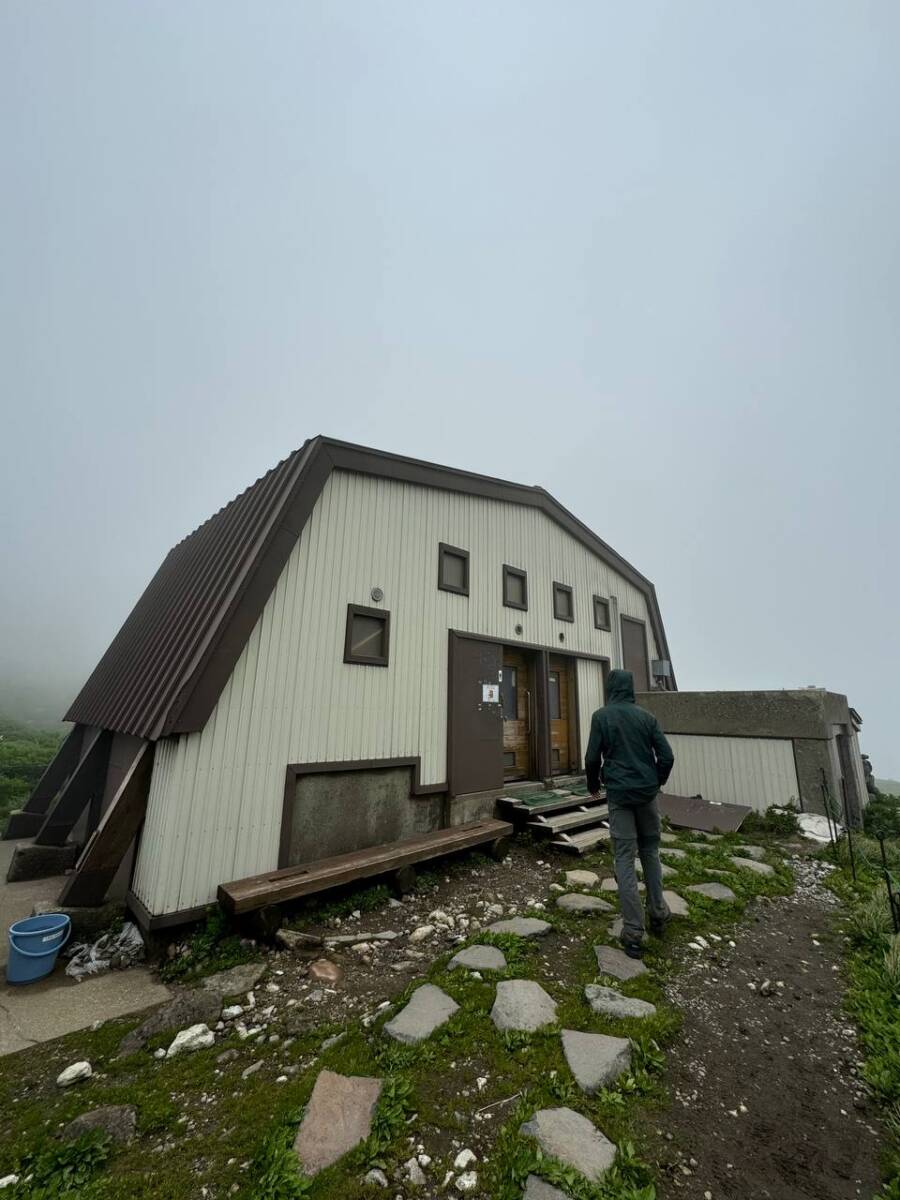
601	613
453	569
509	758
515	588
563	602
367	637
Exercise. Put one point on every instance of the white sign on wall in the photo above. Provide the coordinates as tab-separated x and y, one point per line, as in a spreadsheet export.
490	693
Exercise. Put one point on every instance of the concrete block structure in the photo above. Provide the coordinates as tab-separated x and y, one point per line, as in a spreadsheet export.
764	747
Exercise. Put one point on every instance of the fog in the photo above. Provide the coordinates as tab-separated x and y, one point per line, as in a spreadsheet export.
645	256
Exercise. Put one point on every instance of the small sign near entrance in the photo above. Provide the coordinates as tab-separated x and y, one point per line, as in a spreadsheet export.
490	693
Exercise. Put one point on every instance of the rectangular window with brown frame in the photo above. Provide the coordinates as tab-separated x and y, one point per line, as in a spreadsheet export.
367	640
601	613
453	569
515	588
563	602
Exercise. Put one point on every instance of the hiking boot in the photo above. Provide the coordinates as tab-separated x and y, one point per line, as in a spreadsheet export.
633	949
658	925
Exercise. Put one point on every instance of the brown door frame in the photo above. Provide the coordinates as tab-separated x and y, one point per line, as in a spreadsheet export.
647	659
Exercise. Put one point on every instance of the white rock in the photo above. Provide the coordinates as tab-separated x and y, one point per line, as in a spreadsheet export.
421	933
467	1182
160	1053
9	1181
195	1037
75	1073
415	1176
424	1159
376	1178
232	1011
251	1000
464	1159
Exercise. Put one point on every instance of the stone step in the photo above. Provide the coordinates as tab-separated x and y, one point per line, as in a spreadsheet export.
581	843
584	817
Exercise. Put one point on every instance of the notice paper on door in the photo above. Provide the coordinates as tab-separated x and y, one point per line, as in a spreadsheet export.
490	693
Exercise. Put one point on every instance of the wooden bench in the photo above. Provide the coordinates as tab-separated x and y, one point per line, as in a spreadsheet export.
290	883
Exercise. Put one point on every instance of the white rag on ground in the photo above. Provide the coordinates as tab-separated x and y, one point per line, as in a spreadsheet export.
119	950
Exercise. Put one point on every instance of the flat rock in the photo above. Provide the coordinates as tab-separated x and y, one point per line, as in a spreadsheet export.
677	904
567	1135
577	902
354	939
118	1121
197	1037
713	891
610	885
479	958
699	846
757	852
663	869
539	1189
750	864
428	1008
595	1059
236	980
617	963
672	852
323	970
522	1004
610	1003
525	927
667	837
579	879
195	1007
338	1117
296	942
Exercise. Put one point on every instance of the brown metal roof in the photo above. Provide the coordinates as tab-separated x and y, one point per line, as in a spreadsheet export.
167	665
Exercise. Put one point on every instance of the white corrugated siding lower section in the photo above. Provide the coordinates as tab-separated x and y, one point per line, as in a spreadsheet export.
729	770
590	698
214	811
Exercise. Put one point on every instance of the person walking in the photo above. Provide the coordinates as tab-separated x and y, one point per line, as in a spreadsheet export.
629	753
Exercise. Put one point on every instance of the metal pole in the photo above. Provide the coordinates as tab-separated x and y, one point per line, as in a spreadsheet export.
849	837
895	916
826	801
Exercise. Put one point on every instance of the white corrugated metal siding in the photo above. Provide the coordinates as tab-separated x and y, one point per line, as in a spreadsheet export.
590	698
733	770
216	796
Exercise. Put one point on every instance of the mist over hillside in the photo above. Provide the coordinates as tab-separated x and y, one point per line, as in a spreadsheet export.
890	787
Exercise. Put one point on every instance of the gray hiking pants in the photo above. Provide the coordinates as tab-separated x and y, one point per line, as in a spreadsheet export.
635	829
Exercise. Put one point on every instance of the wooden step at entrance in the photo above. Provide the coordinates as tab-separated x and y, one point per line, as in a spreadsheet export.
581	843
520	812
565	822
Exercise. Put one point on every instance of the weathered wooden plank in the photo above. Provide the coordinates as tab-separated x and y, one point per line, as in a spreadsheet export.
244	895
101	857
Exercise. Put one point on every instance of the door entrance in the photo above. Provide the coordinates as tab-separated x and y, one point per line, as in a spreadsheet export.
562	712
634	652
517	703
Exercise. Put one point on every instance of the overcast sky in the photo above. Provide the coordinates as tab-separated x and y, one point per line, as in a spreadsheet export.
645	255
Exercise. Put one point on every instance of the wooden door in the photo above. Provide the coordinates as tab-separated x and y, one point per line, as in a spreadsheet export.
559	682
517	702
475	750
634	652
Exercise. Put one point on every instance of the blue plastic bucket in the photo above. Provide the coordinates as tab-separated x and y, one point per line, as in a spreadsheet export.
33	946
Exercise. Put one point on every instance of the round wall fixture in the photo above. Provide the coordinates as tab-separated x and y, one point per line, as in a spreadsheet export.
377	594
519	630
562	637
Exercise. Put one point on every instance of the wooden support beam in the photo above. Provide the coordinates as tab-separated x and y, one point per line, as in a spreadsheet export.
97	866
27	822
84	782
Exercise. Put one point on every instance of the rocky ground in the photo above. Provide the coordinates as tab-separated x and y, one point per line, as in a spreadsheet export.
465	1070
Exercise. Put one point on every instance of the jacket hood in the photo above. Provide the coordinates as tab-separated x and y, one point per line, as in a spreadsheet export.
620	687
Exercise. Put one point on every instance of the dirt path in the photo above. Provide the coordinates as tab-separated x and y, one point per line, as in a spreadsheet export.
766	1098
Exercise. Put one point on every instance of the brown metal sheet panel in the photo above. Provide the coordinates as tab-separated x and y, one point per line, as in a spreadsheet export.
693	812
167	665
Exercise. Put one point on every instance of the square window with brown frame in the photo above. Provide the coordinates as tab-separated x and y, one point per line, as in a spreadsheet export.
515	588
563	602
601	613
453	569
366	641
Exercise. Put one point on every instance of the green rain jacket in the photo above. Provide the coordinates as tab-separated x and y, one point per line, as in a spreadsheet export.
627	749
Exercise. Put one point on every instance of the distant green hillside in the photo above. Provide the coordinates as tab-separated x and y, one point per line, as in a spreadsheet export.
889	786
24	753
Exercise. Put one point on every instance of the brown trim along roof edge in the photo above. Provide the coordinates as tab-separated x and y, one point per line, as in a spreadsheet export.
166	667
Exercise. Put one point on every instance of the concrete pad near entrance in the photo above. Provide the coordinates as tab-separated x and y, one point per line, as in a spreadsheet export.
18	899
39	1012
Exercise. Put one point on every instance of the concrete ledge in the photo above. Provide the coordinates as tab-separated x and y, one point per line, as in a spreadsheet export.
21	824
37	862
87	923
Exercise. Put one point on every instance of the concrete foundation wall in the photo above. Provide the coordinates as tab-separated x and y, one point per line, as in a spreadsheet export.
341	811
